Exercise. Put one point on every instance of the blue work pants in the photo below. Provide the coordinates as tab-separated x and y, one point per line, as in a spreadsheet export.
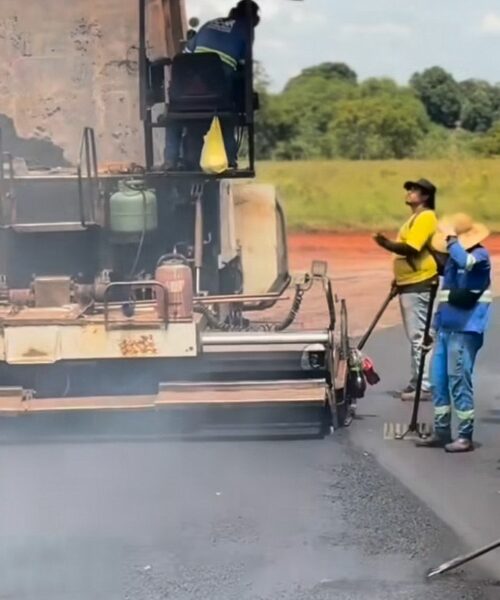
451	377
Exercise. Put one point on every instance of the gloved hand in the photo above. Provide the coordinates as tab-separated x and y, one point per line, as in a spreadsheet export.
427	344
380	239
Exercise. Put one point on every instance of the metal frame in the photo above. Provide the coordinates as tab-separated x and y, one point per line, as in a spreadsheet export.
5	218
88	147
145	110
135	285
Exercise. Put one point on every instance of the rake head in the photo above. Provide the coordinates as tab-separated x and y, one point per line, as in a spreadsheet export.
401	431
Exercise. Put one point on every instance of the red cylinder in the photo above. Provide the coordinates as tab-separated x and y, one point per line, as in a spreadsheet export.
177	279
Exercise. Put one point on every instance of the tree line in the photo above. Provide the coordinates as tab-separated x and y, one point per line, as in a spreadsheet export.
326	112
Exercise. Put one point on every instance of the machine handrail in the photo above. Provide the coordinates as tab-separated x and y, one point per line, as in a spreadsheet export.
133	285
3	191
88	147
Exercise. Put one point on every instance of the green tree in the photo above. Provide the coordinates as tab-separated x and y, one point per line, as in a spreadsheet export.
495	98
440	94
261	80
378	85
303	114
270	120
325	71
380	127
274	125
489	143
324	113
479	105
440	142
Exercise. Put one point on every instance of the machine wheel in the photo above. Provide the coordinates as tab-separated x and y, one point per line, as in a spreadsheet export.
344	331
344	414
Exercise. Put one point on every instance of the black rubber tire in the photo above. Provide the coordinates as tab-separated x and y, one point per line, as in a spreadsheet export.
341	408
341	396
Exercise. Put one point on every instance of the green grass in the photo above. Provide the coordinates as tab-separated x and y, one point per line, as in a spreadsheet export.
369	195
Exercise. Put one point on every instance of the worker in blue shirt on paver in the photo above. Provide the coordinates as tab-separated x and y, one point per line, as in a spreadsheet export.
228	38
462	315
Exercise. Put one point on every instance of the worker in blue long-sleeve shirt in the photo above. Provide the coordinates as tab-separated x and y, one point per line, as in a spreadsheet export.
227	37
460	322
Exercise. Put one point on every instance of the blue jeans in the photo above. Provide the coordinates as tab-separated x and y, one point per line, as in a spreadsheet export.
451	372
414	307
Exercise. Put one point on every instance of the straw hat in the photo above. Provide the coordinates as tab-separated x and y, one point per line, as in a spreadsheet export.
469	232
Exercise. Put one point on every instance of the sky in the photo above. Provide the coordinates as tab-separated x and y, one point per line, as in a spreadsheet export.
392	38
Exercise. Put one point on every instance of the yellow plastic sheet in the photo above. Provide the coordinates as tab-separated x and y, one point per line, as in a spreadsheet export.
213	155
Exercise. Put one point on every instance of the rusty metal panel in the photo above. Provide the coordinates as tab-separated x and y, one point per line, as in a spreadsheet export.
67	65
32	345
61	64
47	344
257	235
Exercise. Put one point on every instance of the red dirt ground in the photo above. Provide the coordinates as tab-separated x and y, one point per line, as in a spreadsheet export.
361	273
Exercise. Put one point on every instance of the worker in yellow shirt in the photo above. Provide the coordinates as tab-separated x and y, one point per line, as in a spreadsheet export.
415	272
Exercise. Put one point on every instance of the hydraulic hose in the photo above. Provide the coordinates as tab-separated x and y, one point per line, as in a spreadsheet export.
215	323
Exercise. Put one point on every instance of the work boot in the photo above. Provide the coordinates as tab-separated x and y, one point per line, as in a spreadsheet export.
408	389
170	165
460	445
434	441
425	396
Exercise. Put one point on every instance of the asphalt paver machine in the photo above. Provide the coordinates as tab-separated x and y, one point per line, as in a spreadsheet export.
136	288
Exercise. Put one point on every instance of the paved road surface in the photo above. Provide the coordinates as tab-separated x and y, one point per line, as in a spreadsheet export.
300	520
463	489
138	519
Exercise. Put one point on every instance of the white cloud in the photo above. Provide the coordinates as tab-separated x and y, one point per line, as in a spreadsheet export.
300	16
272	44
388	29
491	23
208	9
269	9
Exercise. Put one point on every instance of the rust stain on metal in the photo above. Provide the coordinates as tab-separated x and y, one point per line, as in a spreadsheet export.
144	345
34	353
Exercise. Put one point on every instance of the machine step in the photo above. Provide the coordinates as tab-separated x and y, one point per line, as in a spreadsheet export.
311	391
176	395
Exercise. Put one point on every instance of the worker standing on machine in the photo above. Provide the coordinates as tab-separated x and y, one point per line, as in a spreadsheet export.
415	272
461	319
227	37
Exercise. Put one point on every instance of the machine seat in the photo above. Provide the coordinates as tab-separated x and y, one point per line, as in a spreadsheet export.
200	85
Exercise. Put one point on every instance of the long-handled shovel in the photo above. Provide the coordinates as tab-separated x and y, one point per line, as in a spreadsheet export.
392	294
461	560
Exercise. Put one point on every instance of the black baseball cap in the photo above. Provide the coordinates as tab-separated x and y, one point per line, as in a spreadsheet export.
241	9
426	186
